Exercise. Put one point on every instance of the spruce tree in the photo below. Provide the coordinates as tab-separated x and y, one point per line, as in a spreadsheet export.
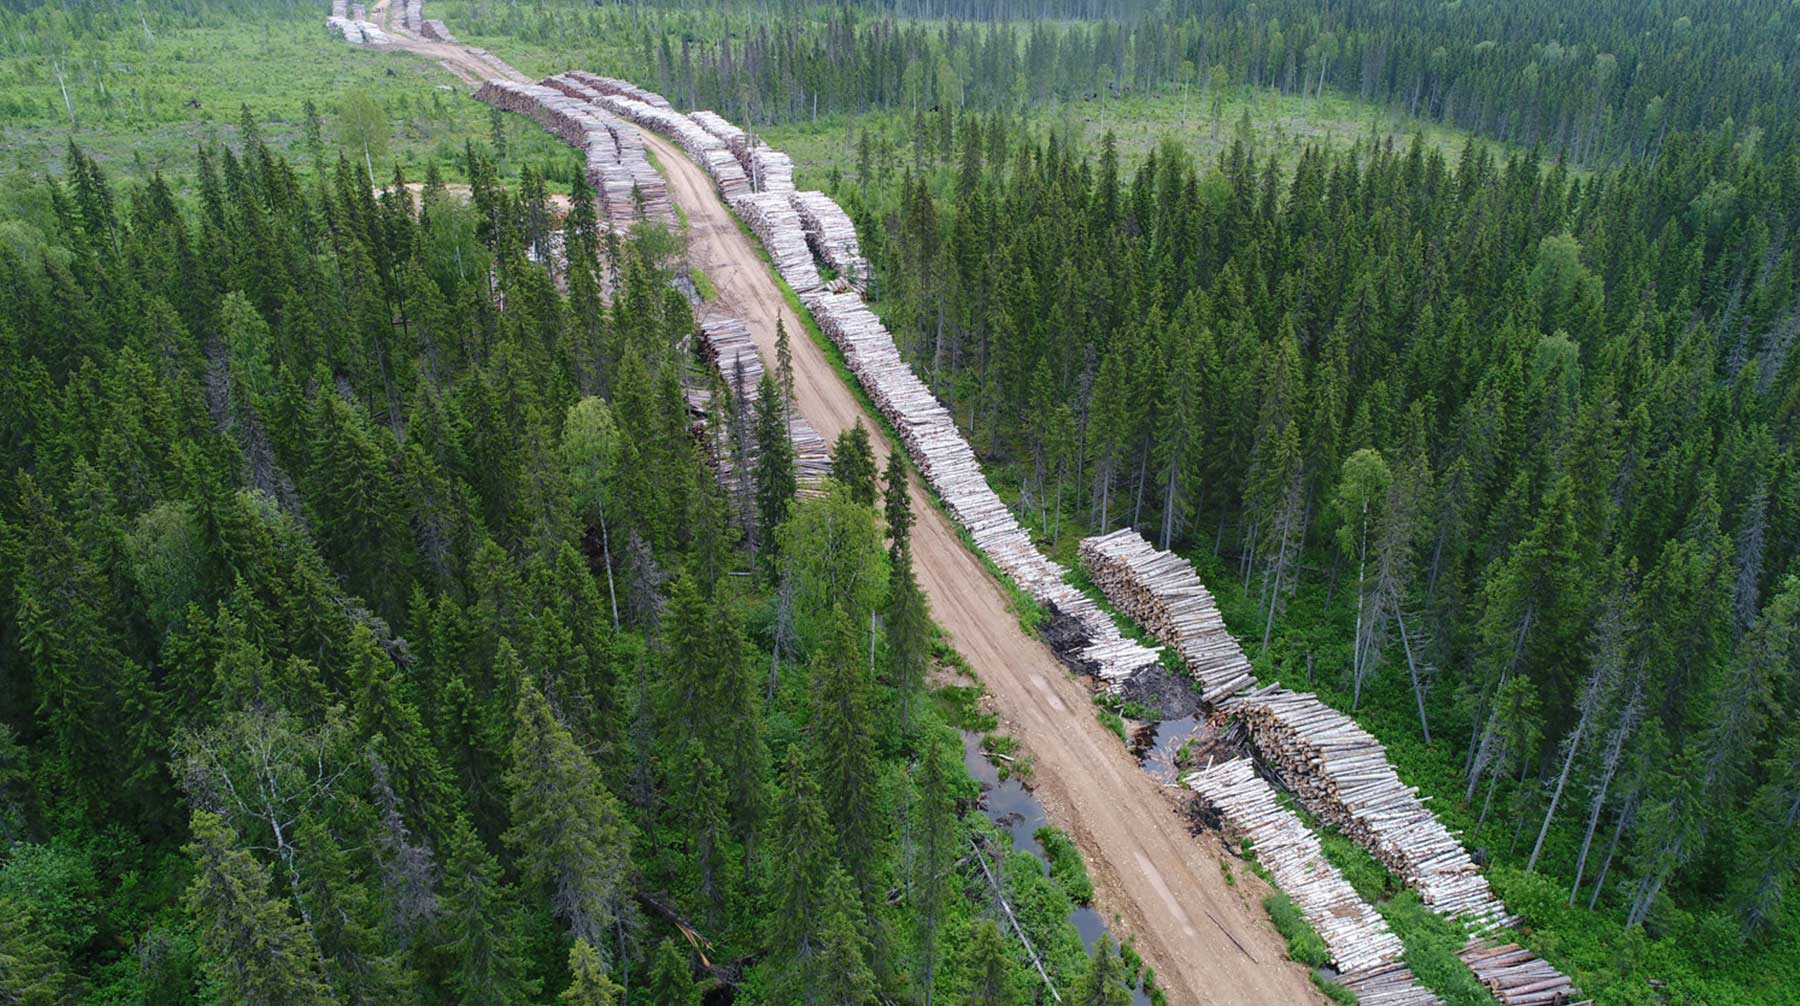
569	835
258	952
1103	984
671	980
775	483
803	857
992	979
840	974
907	623
484	939
853	463
589	984
897	502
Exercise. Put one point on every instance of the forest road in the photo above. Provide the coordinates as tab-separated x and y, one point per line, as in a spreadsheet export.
1210	943
1147	869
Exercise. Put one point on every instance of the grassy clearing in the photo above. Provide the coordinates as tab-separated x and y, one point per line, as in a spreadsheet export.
1065	865
703	283
143	105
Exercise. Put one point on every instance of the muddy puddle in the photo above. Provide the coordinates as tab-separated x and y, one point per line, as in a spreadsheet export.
1010	805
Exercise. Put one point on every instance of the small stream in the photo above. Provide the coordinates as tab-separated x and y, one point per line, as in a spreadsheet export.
1011	806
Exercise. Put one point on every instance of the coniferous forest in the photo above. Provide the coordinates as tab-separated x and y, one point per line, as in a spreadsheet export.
375	627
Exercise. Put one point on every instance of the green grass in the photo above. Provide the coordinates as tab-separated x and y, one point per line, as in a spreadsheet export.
1304	944
132	99
702	282
1065	865
1111	721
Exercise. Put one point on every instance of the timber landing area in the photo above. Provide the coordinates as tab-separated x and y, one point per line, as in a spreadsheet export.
1210	942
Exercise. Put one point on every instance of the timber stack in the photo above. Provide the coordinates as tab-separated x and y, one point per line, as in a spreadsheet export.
704	148
1342	775
725	345
1392	984
1516	977
412	15
1356	936
1081	634
618	167
833	237
1160	591
772	218
435	30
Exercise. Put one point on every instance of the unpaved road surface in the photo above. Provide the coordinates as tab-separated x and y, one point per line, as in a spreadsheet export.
1209	942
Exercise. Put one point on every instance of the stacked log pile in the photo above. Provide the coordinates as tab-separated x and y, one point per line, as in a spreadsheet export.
770	170
1341	774
725	344
623	89
412	15
833	236
617	163
435	30
1517	977
1356	937
772	218
1083	635
707	150
1391	984
1159	591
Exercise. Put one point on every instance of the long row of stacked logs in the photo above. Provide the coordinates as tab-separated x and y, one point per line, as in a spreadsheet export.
412	15
618	167
833	236
1083	634
1159	591
726	346
622	175
1340	773
652	111
434	30
1356	936
352	24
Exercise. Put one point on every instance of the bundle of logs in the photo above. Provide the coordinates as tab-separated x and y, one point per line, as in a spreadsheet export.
351	23
618	167
1355	935
630	102
1518	978
1391	984
833	236
412	15
1159	591
1086	637
434	29
725	345
772	218
1341	774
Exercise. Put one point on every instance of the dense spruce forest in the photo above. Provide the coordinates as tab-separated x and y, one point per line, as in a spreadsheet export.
374	627
375	631
1498	453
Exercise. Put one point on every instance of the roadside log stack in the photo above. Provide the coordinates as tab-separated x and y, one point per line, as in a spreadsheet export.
618	162
1355	935
1083	635
1516	977
725	344
412	15
1159	591
1341	774
707	150
435	30
615	154
1338	770
772	218
1392	984
833	236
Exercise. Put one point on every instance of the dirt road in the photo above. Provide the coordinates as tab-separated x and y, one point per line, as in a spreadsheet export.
1209	942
